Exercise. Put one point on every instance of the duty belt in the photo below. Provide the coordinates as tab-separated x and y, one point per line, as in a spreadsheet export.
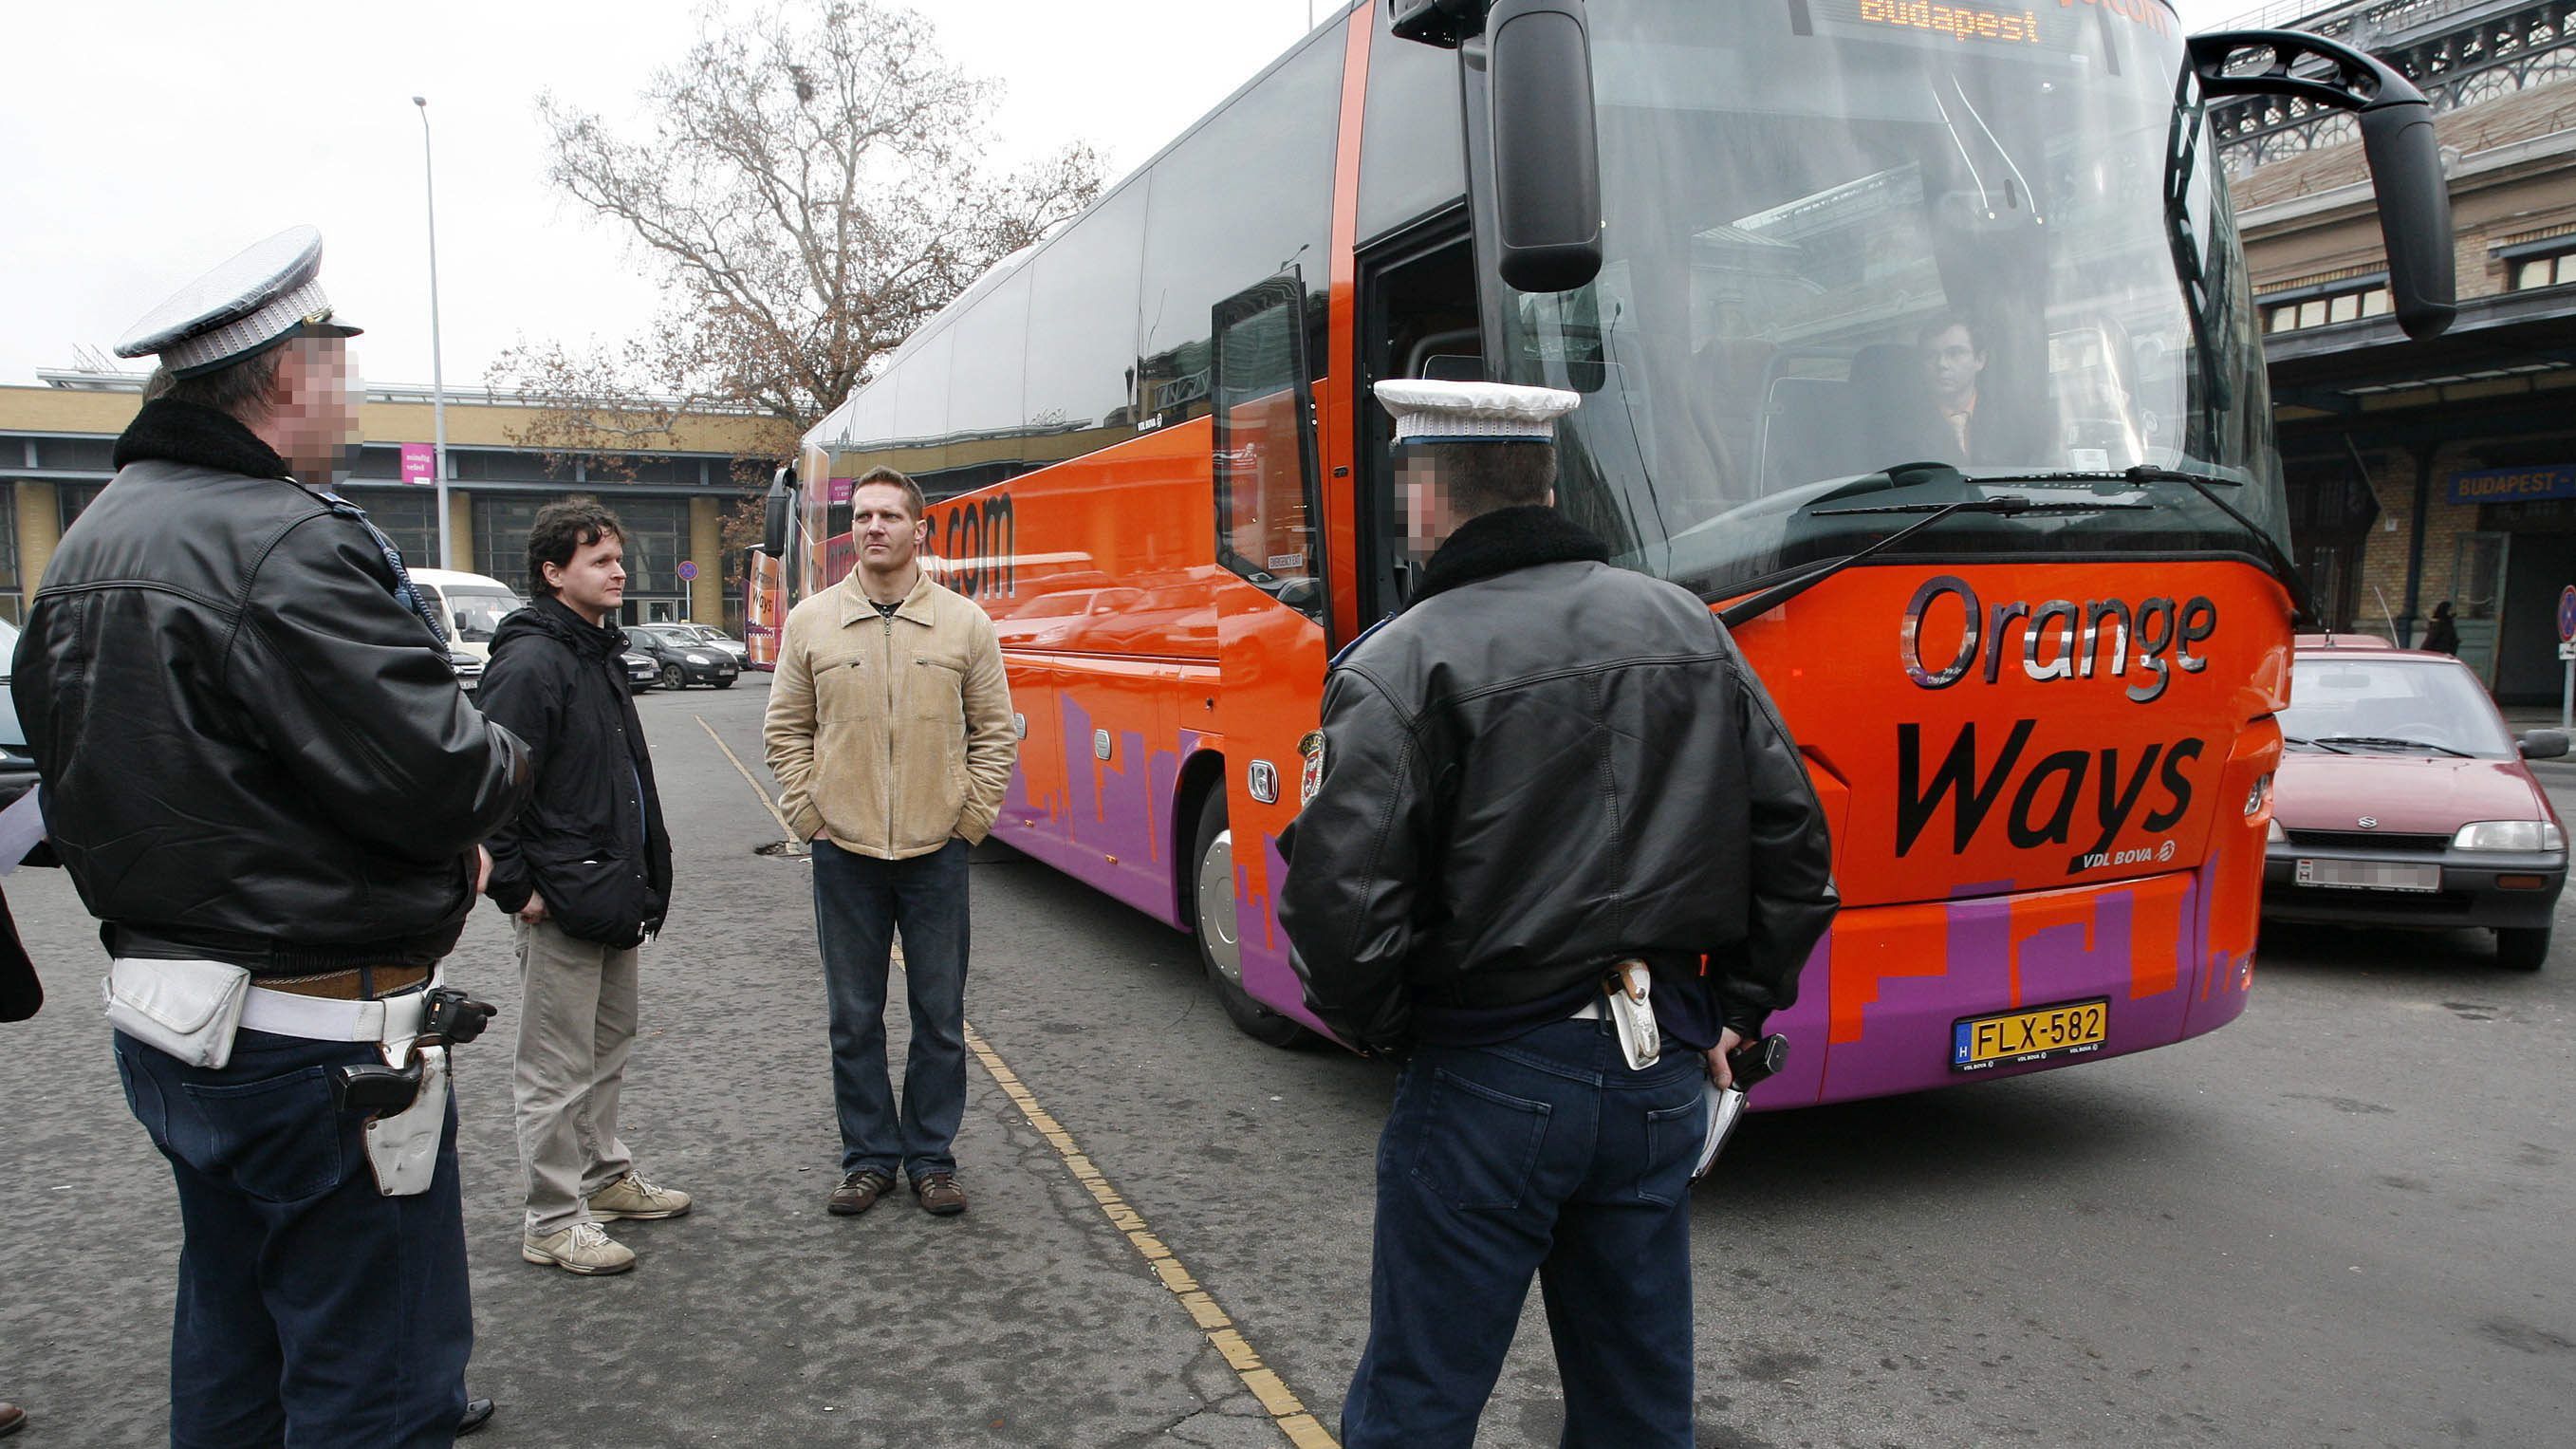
330	1007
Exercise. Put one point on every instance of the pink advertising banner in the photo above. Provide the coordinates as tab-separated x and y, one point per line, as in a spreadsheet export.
419	462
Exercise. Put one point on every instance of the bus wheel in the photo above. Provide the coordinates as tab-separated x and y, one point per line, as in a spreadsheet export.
1220	945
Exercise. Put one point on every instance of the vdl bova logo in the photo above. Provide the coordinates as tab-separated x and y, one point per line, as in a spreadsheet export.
2060	639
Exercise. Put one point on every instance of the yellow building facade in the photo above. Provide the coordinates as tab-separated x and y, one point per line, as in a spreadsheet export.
57	446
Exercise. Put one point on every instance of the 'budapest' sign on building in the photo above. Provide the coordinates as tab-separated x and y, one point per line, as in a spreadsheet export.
2514	485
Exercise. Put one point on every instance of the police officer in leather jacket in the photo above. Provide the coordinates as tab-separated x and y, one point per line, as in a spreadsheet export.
1542	767
255	755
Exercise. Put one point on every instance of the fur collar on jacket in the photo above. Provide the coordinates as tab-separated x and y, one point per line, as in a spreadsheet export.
202	437
1506	540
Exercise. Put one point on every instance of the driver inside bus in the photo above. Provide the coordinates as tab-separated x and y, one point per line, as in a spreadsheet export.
1954	359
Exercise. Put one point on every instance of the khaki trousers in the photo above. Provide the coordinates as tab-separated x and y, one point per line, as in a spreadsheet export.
576	1025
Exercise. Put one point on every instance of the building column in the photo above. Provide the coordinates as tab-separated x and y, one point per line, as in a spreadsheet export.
40	527
460	530
706	550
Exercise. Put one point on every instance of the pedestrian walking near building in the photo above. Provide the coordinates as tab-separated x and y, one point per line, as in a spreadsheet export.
585	872
1544	768
2443	636
263	779
889	730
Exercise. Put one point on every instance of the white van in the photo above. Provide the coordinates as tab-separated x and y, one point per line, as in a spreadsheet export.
471	606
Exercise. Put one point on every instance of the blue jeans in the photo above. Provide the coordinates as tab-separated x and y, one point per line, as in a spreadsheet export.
1544	1154
312	1309
859	903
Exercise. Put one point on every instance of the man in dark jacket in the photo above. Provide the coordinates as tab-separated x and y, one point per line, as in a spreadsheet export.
1542	768
586	870
256	759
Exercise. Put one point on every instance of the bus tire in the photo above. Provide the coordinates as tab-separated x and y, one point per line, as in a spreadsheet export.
2522	948
1212	907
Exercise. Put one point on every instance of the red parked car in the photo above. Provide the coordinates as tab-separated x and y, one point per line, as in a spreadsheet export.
2403	800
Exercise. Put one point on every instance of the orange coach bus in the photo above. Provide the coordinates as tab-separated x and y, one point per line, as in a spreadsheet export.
1914	337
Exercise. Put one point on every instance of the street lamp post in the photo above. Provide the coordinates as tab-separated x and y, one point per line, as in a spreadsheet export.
437	372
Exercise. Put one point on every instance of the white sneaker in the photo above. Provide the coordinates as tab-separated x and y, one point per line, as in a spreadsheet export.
632	1197
583	1248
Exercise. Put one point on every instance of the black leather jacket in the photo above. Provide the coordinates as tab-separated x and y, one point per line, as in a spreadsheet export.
251	750
1544	765
590	840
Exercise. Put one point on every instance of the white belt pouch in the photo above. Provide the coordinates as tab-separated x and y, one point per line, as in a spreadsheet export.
186	1009
403	1148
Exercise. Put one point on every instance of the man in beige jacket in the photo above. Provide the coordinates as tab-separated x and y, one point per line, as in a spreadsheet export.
890	733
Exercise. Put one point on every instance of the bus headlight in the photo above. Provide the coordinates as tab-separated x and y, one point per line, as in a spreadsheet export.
2521	835
2275	834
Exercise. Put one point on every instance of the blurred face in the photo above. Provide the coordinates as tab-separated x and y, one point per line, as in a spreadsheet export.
1954	360
1429	513
887	533
593	583
313	414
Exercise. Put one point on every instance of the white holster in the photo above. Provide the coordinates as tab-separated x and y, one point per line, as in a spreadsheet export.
403	1148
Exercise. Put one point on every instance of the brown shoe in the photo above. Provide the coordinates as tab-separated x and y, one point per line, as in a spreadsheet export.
12	1419
859	1192
940	1195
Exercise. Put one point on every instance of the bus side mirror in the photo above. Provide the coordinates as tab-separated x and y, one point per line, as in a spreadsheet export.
2414	215
778	512
2396	139
1547	159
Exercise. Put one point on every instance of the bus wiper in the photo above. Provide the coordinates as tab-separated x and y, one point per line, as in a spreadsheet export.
1738	615
2388	743
2314	744
2302	606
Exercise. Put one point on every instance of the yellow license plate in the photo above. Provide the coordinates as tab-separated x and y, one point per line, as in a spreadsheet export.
2012	1037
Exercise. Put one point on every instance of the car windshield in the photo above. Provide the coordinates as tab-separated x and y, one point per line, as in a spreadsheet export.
1847	236
476	613
2362	706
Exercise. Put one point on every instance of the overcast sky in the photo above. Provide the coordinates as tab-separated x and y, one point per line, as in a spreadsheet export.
143	141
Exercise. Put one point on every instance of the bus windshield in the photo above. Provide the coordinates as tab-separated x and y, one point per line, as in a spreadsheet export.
1846	235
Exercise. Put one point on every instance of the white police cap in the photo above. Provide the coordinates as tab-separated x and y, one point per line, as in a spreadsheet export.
269	293
1427	411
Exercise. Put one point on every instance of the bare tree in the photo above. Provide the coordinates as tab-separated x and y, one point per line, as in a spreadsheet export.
813	189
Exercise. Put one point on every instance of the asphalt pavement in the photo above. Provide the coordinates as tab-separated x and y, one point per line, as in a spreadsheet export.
2340	1221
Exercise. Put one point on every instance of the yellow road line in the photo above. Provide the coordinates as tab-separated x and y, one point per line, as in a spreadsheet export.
765	802
1279	1401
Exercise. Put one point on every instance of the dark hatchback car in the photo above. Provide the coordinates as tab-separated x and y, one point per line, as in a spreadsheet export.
2403	801
641	672
681	657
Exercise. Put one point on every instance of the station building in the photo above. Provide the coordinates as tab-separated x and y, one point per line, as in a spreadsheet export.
57	439
2441	470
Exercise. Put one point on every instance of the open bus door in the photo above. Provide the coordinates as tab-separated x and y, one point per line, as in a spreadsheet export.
764	606
1271	632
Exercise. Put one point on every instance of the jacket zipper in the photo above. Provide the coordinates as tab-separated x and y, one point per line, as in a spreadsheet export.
890	779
